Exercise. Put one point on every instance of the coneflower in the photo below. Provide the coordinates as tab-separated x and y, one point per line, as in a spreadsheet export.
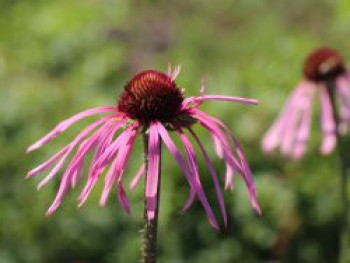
152	106
324	70
325	74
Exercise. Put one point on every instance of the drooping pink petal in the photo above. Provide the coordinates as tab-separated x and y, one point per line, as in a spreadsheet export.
66	178
61	127
291	129
137	177
104	141
273	137
52	173
303	132
209	123
76	163
47	164
329	138
193	183
153	167
246	172
118	166
189	201
94	171
77	173
109	153
230	170
213	175
247	176
229	177
77	176
67	150
217	146
193	165
123	199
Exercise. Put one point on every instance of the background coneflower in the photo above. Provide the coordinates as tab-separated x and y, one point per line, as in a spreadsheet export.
325	73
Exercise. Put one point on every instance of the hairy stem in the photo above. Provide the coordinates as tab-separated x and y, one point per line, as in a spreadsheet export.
149	250
344	254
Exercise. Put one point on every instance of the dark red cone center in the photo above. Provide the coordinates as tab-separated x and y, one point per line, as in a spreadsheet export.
151	96
323	64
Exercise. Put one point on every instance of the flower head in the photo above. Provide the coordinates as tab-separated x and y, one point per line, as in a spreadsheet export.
325	73
151	103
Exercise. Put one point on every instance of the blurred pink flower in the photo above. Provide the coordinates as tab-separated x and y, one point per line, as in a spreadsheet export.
290	132
151	103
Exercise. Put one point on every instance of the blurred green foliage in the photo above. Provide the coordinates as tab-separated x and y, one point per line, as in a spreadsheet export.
60	57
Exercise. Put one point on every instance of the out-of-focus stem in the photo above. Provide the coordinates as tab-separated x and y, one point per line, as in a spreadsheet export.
149	250
344	252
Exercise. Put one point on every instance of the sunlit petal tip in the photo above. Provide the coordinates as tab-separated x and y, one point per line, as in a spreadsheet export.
52	208
150	215
229	187
215	225
29	174
328	145
257	211
102	202
33	147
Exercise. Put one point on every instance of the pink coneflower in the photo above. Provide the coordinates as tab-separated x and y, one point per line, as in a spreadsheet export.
150	104
325	74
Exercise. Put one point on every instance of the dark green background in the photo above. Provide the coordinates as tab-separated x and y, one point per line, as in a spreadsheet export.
60	57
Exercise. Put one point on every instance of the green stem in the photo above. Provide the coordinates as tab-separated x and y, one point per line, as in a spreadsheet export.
149	250
344	254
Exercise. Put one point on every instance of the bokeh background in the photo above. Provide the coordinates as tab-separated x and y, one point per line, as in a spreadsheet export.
60	57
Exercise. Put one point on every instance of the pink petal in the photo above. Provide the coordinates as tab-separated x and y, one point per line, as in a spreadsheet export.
110	151
303	133
153	167
329	138
123	199
290	132
227	98
193	183
229	179
117	169
273	137
76	164
218	147
246	173
209	123
192	160
247	176
95	171
137	177
61	127
46	164
213	175
189	201
68	150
